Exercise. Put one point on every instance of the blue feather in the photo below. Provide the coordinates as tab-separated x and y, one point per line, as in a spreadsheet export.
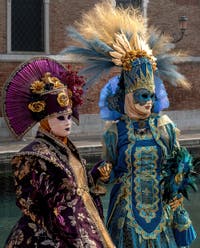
83	52
101	47
108	90
95	45
95	54
75	35
154	39
94	71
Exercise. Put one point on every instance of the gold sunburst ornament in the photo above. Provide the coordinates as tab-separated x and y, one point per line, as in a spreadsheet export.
63	99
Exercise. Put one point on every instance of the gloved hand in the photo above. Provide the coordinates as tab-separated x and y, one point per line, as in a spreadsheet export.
176	202
105	170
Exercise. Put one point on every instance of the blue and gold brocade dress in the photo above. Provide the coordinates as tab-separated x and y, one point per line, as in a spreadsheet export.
137	215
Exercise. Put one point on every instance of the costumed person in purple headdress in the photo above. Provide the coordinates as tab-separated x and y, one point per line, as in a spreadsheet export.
150	171
51	181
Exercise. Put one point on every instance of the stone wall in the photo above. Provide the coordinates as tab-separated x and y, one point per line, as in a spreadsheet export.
92	126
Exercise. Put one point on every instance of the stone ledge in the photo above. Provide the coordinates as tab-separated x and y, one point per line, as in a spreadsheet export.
92	125
91	150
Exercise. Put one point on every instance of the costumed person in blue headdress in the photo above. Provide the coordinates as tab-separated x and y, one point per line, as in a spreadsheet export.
149	170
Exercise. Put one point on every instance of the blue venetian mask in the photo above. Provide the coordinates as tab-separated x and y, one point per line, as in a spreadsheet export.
142	96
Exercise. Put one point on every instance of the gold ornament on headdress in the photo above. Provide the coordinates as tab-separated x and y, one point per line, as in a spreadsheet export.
124	55
38	87
133	55
141	81
53	80
37	106
63	99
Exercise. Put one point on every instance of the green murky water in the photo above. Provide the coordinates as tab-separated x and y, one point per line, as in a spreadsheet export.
9	213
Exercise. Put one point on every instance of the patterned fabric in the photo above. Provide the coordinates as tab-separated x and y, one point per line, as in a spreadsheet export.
53	195
137	214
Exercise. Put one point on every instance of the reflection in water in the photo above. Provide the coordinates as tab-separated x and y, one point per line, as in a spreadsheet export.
9	213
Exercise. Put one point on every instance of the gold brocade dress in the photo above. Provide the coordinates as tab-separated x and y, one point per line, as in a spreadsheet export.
83	191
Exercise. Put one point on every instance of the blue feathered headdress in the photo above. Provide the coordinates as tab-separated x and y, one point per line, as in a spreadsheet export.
111	37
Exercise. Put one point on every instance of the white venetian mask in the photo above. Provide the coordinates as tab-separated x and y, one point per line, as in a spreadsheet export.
60	125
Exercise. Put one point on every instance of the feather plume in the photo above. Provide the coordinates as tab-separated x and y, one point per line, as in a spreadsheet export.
94	70
104	21
105	34
116	55
180	164
117	62
75	35
118	49
122	42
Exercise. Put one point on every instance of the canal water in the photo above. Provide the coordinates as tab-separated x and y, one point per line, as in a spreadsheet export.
9	213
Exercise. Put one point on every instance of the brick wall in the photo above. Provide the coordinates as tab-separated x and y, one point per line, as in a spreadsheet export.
186	99
163	13
5	71
62	14
3	21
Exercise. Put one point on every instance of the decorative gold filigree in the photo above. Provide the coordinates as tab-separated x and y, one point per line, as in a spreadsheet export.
146	183
129	57
38	87
63	99
37	106
128	184
48	79
58	84
141	81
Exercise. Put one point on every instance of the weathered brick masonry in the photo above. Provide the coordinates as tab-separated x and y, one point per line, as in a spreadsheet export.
162	13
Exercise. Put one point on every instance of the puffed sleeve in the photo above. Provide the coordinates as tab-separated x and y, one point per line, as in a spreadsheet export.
169	135
109	155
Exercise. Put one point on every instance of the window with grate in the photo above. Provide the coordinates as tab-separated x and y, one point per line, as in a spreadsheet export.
27	25
126	3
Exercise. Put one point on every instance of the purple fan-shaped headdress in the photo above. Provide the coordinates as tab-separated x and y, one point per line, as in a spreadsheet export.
17	94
